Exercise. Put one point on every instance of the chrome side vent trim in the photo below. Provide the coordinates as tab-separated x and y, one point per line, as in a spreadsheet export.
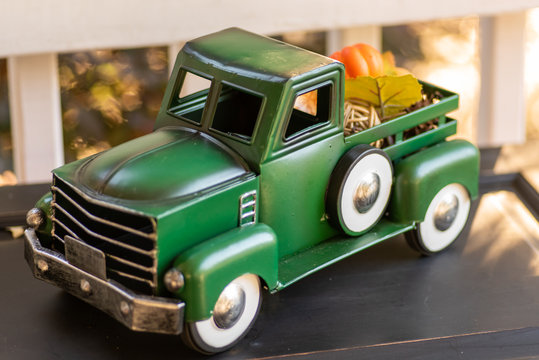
247	210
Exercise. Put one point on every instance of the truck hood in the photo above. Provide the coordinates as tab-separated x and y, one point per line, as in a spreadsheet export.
168	163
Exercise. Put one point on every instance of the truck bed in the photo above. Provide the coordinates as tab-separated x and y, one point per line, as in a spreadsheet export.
397	126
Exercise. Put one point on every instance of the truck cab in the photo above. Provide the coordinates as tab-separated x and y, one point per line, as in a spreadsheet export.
244	185
253	112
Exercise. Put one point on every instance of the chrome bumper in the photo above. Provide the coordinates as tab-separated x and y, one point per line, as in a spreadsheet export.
137	312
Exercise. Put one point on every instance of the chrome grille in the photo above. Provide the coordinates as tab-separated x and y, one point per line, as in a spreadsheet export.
128	240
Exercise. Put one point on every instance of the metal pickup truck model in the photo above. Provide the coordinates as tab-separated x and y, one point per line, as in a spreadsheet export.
237	190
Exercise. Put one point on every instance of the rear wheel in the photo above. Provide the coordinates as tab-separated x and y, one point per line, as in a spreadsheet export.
359	189
233	315
445	219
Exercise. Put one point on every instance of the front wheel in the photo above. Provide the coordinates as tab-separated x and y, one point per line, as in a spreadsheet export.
233	315
445	219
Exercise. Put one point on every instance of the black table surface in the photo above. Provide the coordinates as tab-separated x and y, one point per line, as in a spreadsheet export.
477	300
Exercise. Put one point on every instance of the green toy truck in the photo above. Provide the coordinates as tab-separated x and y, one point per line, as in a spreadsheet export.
237	190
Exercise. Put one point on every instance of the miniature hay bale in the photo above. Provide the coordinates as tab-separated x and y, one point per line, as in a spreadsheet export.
359	115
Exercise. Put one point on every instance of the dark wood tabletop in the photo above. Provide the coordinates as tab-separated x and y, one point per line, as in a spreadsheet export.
477	300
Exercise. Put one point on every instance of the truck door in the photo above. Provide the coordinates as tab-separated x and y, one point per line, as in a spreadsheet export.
308	143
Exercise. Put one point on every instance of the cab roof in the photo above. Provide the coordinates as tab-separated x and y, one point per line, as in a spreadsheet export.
248	54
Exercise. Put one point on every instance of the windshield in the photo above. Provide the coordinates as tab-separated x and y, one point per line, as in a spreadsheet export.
190	99
236	110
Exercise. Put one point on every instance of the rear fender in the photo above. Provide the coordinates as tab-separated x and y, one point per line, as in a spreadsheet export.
420	176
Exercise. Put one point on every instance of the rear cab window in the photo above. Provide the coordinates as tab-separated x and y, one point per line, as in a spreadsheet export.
311	110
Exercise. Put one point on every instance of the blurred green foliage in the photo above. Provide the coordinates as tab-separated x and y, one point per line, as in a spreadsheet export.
109	97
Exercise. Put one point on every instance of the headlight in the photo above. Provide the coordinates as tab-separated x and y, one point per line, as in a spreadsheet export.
35	218
174	280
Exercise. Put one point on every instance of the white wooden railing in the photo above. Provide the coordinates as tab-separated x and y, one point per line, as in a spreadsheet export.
33	32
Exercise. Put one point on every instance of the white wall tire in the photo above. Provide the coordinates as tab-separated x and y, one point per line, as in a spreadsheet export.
359	190
208	337
446	217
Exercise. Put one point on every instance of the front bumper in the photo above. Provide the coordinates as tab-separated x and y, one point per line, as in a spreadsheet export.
137	312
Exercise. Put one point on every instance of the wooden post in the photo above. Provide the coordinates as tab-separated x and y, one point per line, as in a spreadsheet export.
34	98
502	116
337	39
173	50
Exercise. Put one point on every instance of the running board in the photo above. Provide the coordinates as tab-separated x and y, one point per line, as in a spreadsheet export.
300	265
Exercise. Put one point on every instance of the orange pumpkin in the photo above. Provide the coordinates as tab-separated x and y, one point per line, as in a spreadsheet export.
360	60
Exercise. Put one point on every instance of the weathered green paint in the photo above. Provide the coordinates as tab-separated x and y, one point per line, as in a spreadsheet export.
261	58
163	165
44	203
300	265
287	180
420	176
189	177
407	121
205	217
211	265
290	195
257	64
420	141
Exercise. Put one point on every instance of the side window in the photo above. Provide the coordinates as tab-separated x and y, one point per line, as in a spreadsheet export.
237	112
311	109
191	96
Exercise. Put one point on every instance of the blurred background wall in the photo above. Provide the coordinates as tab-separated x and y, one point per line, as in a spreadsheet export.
76	80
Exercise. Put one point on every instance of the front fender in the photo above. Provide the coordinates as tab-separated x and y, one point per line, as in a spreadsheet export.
213	264
45	204
420	176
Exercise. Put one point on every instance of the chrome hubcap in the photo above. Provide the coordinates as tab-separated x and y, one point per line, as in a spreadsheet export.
229	306
367	192
446	212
